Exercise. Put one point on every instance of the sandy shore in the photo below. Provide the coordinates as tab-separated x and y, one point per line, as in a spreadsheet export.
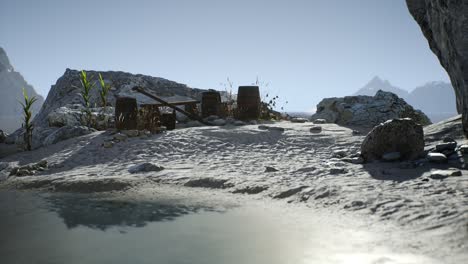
293	166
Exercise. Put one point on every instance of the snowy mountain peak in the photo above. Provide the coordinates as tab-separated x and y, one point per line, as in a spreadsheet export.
376	84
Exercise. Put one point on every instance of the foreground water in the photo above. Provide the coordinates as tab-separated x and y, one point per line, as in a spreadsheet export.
77	228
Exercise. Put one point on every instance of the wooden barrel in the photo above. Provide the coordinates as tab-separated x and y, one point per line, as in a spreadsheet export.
210	103
126	113
248	102
168	120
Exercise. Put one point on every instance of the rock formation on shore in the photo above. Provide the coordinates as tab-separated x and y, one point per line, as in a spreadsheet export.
367	111
11	85
445	25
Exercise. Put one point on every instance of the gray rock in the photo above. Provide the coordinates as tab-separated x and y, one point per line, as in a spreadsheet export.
335	171
251	189
451	146
145	167
67	132
320	121
131	133
219	122
274	128
399	135
444	24
367	111
392	156
340	153
208	183
316	129
289	192
263	127
299	120
463	149
239	123
436	157
108	144
120	137
442	174
270	169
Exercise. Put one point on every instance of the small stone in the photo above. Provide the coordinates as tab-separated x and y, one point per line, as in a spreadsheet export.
263	127
273	128
120	137
340	153
108	144
355	133
238	123
436	157
270	169
450	146
145	167
42	164
442	174
219	122
131	133
335	171
320	121
463	149
316	129
392	156
299	120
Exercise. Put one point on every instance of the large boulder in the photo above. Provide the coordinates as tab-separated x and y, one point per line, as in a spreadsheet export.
367	111
75	115
66	132
398	135
445	25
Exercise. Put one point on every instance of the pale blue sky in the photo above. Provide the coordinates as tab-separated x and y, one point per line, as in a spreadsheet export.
305	49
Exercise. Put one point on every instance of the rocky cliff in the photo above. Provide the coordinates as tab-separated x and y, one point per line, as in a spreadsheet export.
445	25
11	85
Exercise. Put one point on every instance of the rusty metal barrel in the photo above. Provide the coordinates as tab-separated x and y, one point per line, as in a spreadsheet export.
248	102
126	113
210	103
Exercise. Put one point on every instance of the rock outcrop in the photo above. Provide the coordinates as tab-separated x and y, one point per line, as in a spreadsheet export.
11	91
445	25
403	136
367	111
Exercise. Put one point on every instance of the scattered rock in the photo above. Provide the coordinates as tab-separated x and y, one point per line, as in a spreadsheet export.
392	156
211	183
145	167
239	123
130	133
299	120
30	169
450	146
263	127
398	135
219	122
442	174
316	129
270	169
274	128
120	137
436	157
367	111
320	121
335	171
289	192
108	144
251	189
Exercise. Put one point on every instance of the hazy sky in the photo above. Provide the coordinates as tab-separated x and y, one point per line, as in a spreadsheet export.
305	49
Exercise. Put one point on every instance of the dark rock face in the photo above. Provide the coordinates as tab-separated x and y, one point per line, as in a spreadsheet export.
399	135
367	111
445	25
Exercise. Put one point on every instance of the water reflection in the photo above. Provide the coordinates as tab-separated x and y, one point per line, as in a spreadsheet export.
76	210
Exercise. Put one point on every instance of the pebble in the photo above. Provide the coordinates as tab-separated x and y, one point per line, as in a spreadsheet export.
340	153
299	120
442	174
436	157
263	127
239	123
450	146
320	121
391	156
270	169
316	129
219	122
273	128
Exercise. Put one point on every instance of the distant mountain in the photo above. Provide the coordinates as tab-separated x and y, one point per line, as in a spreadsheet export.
435	99
11	85
377	84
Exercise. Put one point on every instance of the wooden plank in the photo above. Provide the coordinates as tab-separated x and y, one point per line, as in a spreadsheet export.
164	103
176	103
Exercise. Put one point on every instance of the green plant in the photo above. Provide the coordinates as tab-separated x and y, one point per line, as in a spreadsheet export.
105	87
86	85
27	114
